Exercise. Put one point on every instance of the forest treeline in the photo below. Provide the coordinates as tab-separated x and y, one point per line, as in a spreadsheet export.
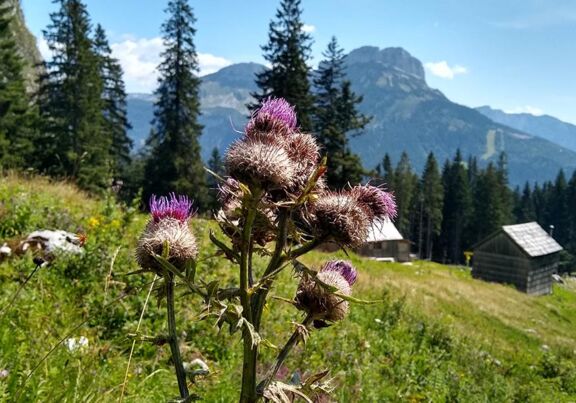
446	210
75	127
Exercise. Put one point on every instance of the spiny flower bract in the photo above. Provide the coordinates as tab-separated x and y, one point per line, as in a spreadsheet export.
377	202
277	109
168	225
338	216
178	207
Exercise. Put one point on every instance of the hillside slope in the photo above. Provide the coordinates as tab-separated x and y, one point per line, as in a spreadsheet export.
545	126
436	334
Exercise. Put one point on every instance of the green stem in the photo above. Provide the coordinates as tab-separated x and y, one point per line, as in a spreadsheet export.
283	354
307	247
275	262
173	337
248	393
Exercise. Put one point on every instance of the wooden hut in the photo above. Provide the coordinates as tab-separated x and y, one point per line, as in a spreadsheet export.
386	243
523	255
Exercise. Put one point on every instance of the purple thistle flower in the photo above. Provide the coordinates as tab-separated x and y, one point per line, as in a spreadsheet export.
178	207
277	109
379	202
342	267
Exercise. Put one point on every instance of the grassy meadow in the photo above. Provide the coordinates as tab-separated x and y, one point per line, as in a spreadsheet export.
435	334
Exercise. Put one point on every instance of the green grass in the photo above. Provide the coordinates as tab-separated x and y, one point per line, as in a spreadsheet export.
436	334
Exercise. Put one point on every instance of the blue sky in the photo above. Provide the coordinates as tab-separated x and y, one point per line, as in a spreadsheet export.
516	55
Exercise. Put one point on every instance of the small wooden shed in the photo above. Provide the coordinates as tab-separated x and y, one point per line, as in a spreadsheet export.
385	242
523	255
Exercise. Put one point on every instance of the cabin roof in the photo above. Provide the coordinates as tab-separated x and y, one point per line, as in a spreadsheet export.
383	230
532	239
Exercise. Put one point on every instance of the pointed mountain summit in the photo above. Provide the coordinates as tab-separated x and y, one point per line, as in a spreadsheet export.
410	116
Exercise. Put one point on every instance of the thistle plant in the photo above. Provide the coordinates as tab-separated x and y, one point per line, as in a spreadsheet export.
274	203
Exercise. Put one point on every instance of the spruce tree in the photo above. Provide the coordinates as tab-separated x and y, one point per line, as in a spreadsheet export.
174	163
489	209
335	116
73	143
17	117
571	202
405	182
432	196
558	209
116	123
386	172
216	165
287	51
457	209
525	209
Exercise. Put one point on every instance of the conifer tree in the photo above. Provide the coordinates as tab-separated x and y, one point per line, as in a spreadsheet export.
174	163
525	209
539	201
216	165
17	117
571	202
457	209
73	143
489	209
116	123
386	172
335	116
405	182
432	196
558	209
287	51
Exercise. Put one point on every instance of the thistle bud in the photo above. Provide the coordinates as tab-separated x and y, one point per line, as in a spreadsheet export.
375	201
304	151
168	224
340	217
261	163
319	302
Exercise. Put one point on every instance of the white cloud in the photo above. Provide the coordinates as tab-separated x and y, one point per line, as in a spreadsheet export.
139	58
44	49
443	70
210	63
532	110
308	28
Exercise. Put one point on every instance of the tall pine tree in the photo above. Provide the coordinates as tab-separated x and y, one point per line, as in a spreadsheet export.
216	165
174	163
405	189
287	52
432	198
17	116
73	142
335	116
457	209
116	123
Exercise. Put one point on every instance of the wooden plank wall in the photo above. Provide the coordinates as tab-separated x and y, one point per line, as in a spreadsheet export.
501	260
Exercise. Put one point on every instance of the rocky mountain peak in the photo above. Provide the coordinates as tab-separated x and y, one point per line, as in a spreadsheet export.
396	58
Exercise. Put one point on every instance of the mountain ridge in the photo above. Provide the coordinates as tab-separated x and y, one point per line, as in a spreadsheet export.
408	116
545	126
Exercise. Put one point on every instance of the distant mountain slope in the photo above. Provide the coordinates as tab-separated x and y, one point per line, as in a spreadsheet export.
545	126
26	43
407	116
223	96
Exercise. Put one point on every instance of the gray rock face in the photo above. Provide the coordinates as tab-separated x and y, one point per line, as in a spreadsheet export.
395	58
